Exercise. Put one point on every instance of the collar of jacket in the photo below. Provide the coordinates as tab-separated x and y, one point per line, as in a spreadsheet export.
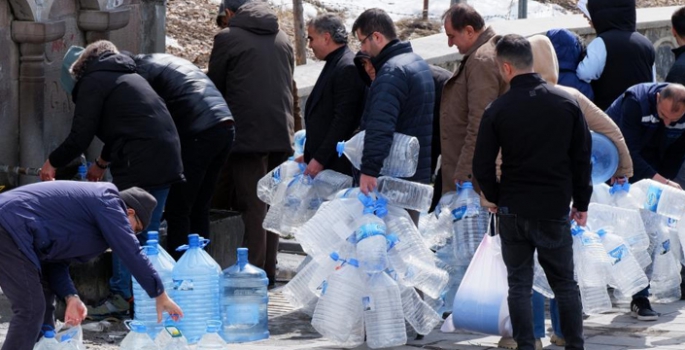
483	38
335	54
526	79
392	49
678	51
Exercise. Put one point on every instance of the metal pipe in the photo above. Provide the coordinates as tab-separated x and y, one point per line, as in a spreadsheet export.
19	170
523	8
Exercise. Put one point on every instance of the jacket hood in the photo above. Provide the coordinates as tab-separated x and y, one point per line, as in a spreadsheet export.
544	58
256	17
567	47
358	63
107	62
612	14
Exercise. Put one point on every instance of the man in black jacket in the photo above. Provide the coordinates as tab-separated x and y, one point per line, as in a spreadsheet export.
677	72
205	127
335	105
545	145
400	99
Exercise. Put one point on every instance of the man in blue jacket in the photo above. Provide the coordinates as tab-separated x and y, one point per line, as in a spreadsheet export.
400	99
650	117
46	226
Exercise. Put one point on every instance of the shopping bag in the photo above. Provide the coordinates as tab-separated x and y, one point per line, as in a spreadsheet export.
480	304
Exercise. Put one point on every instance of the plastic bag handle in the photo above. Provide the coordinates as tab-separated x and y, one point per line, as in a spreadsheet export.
493	225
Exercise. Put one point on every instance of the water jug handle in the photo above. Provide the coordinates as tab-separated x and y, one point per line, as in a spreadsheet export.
182	248
204	242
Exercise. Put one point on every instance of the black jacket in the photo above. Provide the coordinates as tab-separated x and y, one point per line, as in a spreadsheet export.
440	77
333	110
121	109
630	56
545	146
677	72
400	99
192	99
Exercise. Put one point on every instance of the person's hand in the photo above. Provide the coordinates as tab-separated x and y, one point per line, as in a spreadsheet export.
673	184
580	217
95	173
313	168
492	210
299	159
367	184
164	303
618	179
75	311
47	171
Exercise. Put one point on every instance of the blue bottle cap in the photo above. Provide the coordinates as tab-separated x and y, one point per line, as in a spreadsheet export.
242	257
601	233
49	334
151	249
335	256
194	240
340	147
576	230
353	262
467	184
153	235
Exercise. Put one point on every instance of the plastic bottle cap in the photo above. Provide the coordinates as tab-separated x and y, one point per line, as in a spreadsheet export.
242	257
340	147
49	334
576	230
467	184
151	249
601	233
353	262
335	256
193	240
153	235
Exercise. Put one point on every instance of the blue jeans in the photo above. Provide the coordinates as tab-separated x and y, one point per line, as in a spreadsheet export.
120	283
538	315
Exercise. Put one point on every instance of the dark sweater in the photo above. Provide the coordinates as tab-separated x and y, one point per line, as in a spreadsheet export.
545	146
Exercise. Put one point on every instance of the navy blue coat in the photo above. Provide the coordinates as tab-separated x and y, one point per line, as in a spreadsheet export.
400	99
569	51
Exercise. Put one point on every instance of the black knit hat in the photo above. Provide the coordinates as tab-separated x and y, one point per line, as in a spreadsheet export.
142	202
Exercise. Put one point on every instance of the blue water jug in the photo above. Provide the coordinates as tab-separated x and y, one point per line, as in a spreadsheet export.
154	236
197	280
145	308
244	302
604	158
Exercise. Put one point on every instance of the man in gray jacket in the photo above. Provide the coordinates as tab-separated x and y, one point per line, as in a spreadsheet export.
252	64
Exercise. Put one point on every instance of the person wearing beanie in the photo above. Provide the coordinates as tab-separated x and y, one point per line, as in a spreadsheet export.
46	226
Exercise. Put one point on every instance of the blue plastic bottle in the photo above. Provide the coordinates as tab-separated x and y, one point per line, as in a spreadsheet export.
145	308
154	236
244	302
196	288
604	158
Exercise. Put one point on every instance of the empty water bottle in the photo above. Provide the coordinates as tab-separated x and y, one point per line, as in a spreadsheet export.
212	340
333	223
406	194
383	313
299	140
604	158
137	338
196	288
297	291
417	312
244	301
371	243
324	269
145	308
329	182
626	273
400	162
626	223
601	195
296	204
470	222
622	196
665	282
47	342
671	202
540	283
171	338
268	186
589	259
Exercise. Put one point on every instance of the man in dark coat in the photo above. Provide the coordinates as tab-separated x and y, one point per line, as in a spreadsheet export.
141	142
619	57
334	107
205	127
677	72
252	64
46	226
401	97
545	165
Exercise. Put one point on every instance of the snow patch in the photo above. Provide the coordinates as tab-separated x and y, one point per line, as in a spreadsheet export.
169	41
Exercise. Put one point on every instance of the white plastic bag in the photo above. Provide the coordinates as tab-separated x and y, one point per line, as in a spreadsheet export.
480	304
71	339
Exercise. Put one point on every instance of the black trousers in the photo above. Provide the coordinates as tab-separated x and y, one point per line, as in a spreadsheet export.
521	237
188	204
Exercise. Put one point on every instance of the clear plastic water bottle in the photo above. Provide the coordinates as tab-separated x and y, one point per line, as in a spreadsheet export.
153	240
417	312
338	314
138	338
244	301
324	269
653	196
297	291
352	192
296	204
406	194
145	308
196	288
671	202
329	182
401	161
299	140
604	158
383	313
665	282
540	283
371	242
212	340
601	195
589	259
47	342
268	186
626	223
622	196
470	222
171	338
626	273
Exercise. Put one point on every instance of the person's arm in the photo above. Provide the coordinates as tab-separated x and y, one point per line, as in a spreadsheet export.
592	66
58	278
581	167
631	127
484	157
483	81
598	121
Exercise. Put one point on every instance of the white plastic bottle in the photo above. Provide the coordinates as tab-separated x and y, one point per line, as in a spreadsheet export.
137	338
297	291
406	194
47	342
329	182
401	161
383	313
268	186
470	222
589	259
371	243
212	340
417	312
145	307
626	273
626	223
325	269
665	282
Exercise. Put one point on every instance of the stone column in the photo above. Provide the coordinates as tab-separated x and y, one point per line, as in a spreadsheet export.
99	24
31	37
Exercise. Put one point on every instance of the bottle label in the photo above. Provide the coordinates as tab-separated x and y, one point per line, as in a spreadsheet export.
368	303
242	315
653	196
618	253
323	286
183	285
173	331
458	213
666	246
589	239
368	230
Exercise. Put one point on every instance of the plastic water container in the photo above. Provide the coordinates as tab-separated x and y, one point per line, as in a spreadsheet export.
333	223
626	273
329	182
417	312
410	242
401	161
601	195
665	282
338	315
352	192
137	338
671	202
406	194
470	222
171	338
604	158
154	236
296	203
299	140
622	196
145	308
324	269
47	342
540	283
297	291
212	340
196	288
590	262
244	301
268	186
371	243
625	223
383	313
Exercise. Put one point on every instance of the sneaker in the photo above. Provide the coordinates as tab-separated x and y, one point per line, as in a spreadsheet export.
114	306
510	343
642	310
557	340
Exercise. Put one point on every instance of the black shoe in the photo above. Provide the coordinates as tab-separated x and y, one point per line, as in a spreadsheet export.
419	337
642	310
